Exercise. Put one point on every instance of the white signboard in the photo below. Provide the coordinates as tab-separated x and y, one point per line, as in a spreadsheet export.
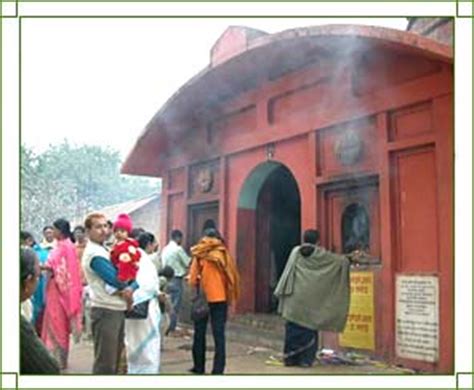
417	327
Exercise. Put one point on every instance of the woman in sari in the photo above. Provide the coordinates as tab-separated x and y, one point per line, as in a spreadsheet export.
63	312
142	336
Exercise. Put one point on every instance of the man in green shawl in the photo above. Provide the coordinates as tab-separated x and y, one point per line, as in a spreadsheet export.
314	294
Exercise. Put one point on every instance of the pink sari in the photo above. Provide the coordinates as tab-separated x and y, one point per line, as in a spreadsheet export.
63	312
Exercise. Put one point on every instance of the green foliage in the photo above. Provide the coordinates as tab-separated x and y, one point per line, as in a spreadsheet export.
69	181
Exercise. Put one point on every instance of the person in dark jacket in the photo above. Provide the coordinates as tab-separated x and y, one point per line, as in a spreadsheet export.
34	357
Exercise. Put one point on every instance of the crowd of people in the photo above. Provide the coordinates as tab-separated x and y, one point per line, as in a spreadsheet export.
109	282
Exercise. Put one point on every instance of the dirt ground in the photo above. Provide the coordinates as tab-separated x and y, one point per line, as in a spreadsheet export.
241	359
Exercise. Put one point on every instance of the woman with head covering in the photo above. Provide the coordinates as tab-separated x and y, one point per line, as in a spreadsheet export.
34	357
63	312
214	271
142	335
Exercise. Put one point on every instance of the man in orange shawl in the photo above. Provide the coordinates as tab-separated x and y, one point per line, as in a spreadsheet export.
213	270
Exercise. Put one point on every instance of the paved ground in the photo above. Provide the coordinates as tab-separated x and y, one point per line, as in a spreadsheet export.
241	359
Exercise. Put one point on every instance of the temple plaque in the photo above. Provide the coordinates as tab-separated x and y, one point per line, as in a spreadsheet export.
417	316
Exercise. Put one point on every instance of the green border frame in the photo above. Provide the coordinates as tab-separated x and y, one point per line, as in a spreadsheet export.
16	379
16	9
20	17
458	374
464	16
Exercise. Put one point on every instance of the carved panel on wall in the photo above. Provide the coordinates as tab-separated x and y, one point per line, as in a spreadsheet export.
204	179
347	148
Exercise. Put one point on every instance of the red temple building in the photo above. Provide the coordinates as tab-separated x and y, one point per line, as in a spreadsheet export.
344	128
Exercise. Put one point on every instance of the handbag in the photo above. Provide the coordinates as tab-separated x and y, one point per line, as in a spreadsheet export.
139	311
199	305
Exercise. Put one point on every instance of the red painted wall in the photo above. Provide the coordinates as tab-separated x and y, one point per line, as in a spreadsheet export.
401	106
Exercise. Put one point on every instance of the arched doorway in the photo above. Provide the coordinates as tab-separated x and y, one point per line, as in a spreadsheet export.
269	226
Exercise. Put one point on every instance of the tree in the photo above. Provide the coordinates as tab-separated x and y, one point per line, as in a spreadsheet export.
69	181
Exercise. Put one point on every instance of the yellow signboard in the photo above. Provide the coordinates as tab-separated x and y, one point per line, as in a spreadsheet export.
359	331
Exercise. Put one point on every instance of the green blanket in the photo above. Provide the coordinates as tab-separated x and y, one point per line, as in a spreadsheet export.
314	291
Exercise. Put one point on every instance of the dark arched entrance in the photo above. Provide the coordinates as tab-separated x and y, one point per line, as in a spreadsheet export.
270	199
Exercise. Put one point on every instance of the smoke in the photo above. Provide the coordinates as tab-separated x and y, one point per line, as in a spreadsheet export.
190	123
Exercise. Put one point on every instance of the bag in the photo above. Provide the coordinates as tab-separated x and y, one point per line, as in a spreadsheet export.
138	312
199	306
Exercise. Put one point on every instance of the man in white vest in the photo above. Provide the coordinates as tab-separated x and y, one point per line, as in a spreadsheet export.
107	311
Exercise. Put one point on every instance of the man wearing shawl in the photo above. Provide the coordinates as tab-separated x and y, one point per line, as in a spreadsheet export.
314	295
214	270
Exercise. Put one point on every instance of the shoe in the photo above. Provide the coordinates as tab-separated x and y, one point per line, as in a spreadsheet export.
305	365
192	370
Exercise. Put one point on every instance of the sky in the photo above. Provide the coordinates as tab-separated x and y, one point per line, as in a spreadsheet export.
99	81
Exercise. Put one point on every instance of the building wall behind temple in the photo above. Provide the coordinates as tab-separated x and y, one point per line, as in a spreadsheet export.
148	217
439	29
395	108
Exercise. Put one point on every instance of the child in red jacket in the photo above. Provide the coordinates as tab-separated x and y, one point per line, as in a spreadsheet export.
125	254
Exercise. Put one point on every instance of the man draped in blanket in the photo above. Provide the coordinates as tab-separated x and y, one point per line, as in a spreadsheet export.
314	295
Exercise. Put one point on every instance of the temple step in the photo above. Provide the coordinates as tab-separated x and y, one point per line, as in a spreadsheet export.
259	330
